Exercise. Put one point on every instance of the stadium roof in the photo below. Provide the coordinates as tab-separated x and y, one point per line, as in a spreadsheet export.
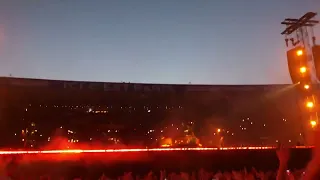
114	86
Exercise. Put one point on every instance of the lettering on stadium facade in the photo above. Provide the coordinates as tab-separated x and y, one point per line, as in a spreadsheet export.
132	87
126	87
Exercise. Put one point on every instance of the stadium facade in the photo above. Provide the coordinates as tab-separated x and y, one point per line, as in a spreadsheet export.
32	111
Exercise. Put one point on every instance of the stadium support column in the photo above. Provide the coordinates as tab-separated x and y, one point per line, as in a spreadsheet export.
302	68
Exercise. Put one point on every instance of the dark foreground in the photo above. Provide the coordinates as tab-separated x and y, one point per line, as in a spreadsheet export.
114	164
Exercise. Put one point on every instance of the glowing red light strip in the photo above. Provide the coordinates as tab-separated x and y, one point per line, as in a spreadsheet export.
77	151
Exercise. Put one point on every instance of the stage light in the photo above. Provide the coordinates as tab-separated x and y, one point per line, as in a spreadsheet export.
309	104
297	63
313	123
306	86
299	52
303	69
218	130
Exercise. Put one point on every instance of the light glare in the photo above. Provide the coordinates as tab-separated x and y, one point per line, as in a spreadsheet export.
310	104
313	123
299	52
303	69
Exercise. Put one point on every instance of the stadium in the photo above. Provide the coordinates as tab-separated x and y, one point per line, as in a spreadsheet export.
34	111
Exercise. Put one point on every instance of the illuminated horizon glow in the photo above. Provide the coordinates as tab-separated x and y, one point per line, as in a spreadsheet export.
78	151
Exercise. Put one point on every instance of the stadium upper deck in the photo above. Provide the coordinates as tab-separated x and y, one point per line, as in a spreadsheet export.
126	87
253	112
49	91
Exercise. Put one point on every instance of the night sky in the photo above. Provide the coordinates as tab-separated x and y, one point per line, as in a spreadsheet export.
154	41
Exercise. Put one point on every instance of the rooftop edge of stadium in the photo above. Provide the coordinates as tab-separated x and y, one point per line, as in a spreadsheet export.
6	78
131	87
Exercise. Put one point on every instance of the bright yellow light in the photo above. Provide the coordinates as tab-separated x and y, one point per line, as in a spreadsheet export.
303	69
218	130
313	123
310	104
300	52
306	86
165	145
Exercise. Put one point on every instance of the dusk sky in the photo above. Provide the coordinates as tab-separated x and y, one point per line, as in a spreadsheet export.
154	41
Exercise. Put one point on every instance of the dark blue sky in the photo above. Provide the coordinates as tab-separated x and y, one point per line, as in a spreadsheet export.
158	41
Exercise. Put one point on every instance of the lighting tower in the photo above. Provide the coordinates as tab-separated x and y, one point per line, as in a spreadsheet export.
300	41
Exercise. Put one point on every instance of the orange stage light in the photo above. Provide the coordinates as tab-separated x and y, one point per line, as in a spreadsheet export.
309	104
300	52
313	123
303	69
